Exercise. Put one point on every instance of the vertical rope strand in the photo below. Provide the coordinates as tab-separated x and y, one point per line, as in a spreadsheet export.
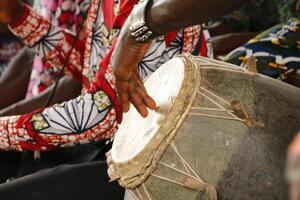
146	191
139	194
133	195
179	155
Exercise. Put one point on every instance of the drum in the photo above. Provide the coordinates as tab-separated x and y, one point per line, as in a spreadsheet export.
219	132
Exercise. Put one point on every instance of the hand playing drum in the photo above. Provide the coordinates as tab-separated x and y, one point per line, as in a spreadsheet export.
148	20
129	83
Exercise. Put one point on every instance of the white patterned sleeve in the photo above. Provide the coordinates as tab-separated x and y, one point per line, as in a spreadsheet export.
54	44
86	119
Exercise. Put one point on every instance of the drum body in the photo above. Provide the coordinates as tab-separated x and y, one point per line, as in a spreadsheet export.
220	133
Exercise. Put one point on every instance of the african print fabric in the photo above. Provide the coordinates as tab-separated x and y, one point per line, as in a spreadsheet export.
95	114
9	46
67	14
277	50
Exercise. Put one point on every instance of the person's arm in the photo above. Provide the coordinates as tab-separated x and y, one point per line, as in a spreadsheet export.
15	78
221	46
88	118
161	17
168	15
68	88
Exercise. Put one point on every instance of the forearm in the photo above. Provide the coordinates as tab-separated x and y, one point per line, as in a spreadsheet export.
168	15
221	46
85	119
68	88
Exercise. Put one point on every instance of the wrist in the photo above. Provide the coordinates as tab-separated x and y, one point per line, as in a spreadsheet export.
138	28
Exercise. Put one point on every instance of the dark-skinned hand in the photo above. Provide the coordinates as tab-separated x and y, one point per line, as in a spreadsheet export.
127	55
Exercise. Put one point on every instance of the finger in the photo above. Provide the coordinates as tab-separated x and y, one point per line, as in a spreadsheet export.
136	98
148	101
123	95
139	81
137	101
124	100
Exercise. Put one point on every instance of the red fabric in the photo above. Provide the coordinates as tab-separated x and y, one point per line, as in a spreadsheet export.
21	19
106	60
105	86
203	48
64	18
108	13
170	37
37	142
102	84
126	8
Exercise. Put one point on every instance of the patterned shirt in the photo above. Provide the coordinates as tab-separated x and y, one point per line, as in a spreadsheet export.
95	114
276	50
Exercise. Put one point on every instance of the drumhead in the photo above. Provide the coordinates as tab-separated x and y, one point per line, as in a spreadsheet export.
136	132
